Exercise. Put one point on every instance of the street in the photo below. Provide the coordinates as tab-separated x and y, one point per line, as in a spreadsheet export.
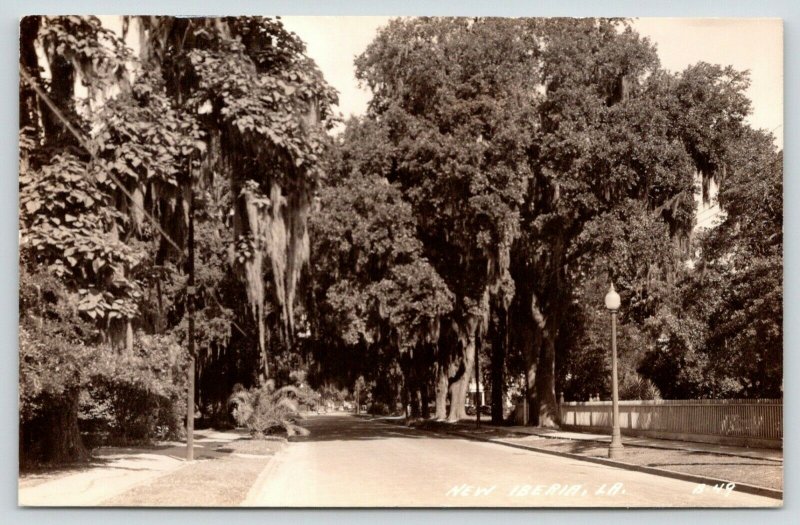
349	462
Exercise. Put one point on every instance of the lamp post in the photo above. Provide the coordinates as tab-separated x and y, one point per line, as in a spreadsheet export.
190	307
615	449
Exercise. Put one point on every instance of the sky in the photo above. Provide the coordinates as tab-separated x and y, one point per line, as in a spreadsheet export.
746	44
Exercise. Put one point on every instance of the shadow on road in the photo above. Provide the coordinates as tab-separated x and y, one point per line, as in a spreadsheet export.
351	428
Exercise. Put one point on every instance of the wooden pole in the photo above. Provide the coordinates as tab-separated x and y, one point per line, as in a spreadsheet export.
478	383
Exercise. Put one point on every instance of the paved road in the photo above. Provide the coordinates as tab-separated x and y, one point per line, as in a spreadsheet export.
348	462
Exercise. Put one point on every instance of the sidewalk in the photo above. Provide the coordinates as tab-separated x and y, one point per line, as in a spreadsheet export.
114	471
758	471
687	446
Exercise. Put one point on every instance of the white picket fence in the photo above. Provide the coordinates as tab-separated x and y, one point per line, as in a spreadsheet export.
750	422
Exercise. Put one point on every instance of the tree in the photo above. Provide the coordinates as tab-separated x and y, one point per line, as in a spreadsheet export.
55	347
68	221
616	155
263	106
746	338
371	288
724	338
107	180
452	97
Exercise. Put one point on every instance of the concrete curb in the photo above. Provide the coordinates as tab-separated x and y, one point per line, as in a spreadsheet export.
251	499
740	487
662	447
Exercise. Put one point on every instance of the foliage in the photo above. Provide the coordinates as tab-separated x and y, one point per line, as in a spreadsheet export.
726	339
211	106
264	107
368	267
454	101
539	159
143	393
677	363
639	388
266	410
451	96
56	347
136	396
506	171
68	226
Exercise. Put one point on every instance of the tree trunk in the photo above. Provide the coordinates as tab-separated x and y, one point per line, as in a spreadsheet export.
262	346
405	398
60	436
62	86
415	402
424	398
129	337
446	367
546	405
460	387
531	361
29	30
526	338
441	392
499	330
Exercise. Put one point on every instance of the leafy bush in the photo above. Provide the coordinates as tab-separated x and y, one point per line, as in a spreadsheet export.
55	344
639	388
139	396
266	410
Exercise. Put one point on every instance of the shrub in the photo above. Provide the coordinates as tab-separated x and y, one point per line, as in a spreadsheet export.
266	410
639	388
140	396
71	383
56	349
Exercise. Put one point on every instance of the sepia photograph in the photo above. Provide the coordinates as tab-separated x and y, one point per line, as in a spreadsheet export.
379	262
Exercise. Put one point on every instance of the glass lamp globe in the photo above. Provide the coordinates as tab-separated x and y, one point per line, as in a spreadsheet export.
612	299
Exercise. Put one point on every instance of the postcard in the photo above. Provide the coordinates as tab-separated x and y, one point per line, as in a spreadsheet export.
400	262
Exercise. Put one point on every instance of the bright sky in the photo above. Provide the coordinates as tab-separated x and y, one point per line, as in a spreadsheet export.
752	44
334	42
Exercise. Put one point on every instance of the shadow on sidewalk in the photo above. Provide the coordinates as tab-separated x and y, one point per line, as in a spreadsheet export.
208	444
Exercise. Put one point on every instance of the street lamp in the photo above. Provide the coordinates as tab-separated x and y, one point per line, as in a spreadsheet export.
612	303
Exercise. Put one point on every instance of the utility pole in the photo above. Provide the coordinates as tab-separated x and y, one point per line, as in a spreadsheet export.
190	298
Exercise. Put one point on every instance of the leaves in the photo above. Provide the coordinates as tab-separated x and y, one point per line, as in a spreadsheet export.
368	265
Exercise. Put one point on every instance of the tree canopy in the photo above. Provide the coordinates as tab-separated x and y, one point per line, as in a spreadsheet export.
506	172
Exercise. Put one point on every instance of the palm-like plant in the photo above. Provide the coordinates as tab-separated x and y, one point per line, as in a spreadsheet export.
266	410
639	388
